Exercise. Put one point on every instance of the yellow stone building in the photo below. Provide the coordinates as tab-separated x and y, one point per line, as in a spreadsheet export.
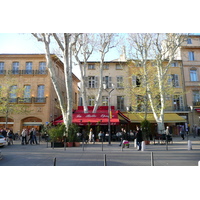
29	71
190	55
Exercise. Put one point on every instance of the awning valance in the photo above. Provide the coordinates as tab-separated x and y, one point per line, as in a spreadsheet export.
98	118
168	117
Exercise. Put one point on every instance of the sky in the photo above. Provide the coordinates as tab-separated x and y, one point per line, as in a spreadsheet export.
16	43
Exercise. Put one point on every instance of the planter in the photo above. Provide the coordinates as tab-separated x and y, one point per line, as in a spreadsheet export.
57	144
97	140
77	144
70	144
147	142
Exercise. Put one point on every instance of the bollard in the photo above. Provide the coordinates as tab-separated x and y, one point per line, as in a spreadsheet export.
135	143
83	144
105	163
152	159
54	161
143	146
199	163
189	145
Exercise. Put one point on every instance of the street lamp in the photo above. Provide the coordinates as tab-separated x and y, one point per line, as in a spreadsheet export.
109	109
192	109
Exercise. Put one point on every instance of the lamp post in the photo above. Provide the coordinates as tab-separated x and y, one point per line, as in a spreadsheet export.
109	110
191	127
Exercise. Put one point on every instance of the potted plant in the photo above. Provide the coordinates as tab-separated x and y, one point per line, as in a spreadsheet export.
145	124
56	135
73	129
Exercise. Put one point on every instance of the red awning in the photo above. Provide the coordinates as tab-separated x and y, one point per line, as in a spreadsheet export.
197	109
98	118
95	119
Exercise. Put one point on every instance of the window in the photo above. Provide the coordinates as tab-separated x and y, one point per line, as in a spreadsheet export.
28	68
174	64
91	66
27	91
106	67
120	102
191	55
173	80
120	82
91	100
13	94
104	100
42	67
108	81
119	66
189	41
193	75
40	91
15	68
178	102
92	82
196	96
1	67
40	94
136	80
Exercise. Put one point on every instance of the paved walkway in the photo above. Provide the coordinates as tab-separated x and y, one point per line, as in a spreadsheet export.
92	154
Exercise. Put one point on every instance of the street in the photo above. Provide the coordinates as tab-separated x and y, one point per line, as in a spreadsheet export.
92	155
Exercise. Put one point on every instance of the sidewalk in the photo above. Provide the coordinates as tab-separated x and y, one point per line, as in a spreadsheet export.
39	155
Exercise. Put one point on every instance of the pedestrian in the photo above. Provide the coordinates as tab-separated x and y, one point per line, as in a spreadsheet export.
182	132
90	135
10	137
100	135
24	135
139	138
34	136
4	132
107	136
194	130
122	137
31	137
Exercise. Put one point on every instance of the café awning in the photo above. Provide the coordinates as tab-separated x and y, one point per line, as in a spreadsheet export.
98	118
168	117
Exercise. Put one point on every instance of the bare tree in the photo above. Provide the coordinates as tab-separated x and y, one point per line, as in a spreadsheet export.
66	43
156	52
84	48
106	41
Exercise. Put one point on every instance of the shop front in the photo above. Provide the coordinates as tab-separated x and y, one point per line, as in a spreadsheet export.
98	121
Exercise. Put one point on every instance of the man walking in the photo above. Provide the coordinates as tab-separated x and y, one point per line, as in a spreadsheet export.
34	139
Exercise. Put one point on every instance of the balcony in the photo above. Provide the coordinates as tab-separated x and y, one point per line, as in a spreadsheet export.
41	72
24	100
24	72
196	103
20	100
27	72
2	72
14	72
39	100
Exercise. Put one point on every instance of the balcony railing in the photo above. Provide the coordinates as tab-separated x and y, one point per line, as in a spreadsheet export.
39	100
20	100
41	72
2	72
24	100
24	72
196	103
27	71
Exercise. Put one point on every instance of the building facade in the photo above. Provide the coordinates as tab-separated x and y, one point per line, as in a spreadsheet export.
29	72
190	55
128	94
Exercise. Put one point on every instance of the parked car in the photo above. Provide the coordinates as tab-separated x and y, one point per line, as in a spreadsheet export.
2	140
